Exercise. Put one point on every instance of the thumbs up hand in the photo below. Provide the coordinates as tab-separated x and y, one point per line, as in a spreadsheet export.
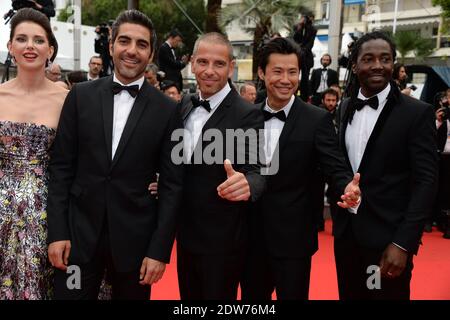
236	187
352	194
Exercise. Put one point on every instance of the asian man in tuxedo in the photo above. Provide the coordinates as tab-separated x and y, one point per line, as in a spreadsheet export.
301	137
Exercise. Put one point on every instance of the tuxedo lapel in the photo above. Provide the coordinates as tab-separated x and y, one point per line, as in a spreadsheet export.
186	108
344	113
135	114
107	103
170	51
213	121
329	76
290	123
220	112
390	104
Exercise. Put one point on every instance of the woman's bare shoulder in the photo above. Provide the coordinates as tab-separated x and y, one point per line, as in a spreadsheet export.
58	91
7	86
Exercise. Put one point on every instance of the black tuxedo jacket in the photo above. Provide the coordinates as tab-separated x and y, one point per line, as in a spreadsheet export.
209	224
171	66
398	175
316	76
442	136
283	218
88	190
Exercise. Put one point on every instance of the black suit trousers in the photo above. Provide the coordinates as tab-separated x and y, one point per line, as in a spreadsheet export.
352	262
125	285
208	277
304	83
288	276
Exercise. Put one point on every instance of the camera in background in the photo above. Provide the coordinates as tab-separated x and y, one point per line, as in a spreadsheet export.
441	103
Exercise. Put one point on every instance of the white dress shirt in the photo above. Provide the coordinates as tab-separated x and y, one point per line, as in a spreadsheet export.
323	81
358	132
197	118
273	128
91	78
123	103
447	144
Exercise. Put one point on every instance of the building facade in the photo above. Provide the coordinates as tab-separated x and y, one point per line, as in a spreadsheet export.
359	17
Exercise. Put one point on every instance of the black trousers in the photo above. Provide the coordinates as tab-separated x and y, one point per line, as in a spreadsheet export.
208	277
262	274
304	83
125	285
352	262
318	194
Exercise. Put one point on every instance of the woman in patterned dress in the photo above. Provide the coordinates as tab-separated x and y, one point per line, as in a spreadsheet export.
30	106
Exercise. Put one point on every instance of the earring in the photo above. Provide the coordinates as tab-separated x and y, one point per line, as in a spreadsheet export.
49	64
12	58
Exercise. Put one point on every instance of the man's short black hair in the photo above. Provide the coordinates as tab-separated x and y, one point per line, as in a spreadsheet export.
330	91
281	46
167	84
175	33
135	17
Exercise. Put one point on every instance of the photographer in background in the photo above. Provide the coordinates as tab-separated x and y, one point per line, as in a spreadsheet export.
101	47
344	58
442	121
442	209
45	6
304	36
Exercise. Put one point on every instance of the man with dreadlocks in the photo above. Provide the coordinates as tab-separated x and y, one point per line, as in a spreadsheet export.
389	139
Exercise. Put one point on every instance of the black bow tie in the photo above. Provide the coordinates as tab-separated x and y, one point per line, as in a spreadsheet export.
279	115
324	69
132	90
196	102
372	102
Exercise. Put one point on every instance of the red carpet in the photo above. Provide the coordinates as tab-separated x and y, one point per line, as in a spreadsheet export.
431	274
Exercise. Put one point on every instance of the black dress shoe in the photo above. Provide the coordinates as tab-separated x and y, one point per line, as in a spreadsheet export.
427	228
447	234
447	227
